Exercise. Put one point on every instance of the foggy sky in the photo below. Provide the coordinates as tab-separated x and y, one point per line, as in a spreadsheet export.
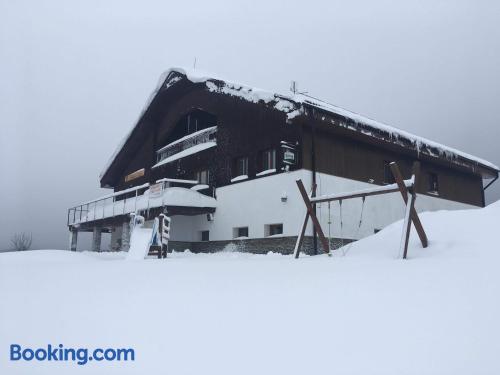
74	77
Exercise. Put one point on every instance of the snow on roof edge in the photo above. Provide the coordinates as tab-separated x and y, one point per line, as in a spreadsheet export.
394	131
124	140
287	104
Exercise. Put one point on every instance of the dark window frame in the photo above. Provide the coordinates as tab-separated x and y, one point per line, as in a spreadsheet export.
240	232
388	176
205	235
433	183
236	165
199	174
268	159
274	229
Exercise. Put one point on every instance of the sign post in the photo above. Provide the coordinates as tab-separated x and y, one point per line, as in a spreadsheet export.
165	235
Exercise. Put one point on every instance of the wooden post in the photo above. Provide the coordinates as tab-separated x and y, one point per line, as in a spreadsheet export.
404	193
300	238
310	210
403	247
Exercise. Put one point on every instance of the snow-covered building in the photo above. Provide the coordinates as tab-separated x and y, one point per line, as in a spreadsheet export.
222	159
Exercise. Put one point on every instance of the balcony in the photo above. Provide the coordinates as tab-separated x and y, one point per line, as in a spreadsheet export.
188	145
166	192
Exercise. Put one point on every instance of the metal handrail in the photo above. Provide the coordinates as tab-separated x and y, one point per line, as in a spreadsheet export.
72	211
80	214
203	136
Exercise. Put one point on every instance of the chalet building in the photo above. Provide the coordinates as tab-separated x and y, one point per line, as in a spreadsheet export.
221	159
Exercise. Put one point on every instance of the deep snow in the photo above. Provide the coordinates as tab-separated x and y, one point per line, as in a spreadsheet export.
232	313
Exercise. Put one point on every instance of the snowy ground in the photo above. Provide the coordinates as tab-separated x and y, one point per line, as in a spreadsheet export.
229	313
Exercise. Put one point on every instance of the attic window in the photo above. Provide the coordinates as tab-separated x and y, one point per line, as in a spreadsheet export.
433	183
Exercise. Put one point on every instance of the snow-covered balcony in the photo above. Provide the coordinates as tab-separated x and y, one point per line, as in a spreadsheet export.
188	145
141	198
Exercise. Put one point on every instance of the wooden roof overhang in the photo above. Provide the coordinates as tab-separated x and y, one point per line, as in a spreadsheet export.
342	126
176	85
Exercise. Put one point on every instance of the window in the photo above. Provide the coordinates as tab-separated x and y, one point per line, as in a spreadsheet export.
273	229
240	232
205	235
388	176
269	160
203	177
192	124
241	167
433	183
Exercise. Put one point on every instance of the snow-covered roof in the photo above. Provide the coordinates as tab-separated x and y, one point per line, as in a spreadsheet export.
294	105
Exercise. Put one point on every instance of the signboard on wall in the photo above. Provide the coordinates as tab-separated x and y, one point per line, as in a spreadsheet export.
136	174
155	190
289	153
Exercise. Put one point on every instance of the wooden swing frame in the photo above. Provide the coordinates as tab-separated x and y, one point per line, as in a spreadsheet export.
405	187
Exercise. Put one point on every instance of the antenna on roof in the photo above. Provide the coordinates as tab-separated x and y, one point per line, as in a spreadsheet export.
194	63
294	87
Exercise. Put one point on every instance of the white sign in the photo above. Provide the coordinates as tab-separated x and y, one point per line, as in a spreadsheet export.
155	190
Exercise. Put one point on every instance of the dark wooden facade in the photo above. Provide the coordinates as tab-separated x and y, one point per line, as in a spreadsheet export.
246	129
345	157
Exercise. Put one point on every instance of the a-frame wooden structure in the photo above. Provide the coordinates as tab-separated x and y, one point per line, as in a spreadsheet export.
405	187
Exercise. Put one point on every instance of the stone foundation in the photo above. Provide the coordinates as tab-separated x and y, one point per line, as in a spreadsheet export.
282	245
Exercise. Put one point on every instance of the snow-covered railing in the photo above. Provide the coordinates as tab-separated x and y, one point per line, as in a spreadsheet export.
190	140
97	208
139	198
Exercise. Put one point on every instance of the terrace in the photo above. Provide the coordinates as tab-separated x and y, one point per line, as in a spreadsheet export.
165	192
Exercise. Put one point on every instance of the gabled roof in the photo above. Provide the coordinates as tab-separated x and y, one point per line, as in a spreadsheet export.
294	105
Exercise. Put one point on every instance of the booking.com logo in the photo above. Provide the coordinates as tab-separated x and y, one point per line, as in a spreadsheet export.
79	355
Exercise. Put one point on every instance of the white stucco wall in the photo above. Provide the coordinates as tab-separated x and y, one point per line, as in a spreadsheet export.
257	202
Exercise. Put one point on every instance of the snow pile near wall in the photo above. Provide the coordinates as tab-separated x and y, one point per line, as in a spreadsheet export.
232	313
452	235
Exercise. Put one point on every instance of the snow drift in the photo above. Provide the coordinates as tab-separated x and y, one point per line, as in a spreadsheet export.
233	313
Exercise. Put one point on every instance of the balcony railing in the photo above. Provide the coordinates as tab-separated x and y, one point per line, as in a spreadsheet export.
143	197
184	143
